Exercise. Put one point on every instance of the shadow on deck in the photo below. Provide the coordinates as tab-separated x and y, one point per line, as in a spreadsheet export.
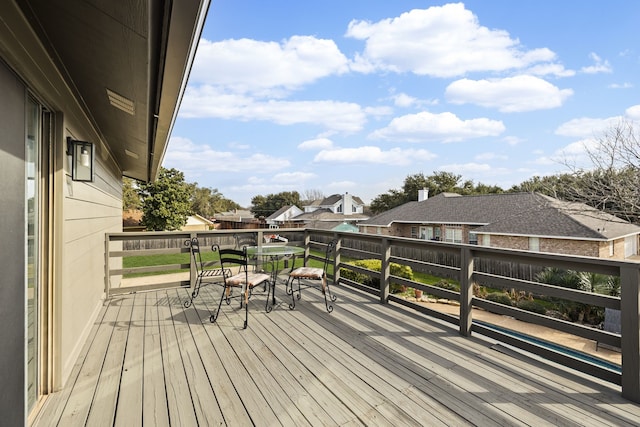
151	361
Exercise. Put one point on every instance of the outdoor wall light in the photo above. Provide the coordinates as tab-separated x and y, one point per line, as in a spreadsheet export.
82	159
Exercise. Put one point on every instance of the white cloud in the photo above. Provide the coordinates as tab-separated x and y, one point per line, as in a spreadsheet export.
371	154
490	156
576	153
633	112
293	177
508	95
195	159
207	101
550	69
625	85
444	127
477	172
403	100
316	144
443	41
512	140
255	66
599	66
585	127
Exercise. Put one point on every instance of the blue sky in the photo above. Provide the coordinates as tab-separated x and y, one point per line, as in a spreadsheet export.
355	95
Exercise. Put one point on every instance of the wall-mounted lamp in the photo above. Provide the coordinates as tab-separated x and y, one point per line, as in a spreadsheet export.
82	162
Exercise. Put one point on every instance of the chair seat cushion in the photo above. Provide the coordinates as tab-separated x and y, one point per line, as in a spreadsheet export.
307	273
252	278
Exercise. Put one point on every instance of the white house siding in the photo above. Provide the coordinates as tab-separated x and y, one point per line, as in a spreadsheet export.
81	212
89	211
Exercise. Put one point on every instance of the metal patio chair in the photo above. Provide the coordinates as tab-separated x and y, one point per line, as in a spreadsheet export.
205	275
247	281
307	277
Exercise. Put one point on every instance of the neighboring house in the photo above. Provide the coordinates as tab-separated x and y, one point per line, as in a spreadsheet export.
344	204
237	219
198	223
526	221
325	219
89	94
285	217
333	211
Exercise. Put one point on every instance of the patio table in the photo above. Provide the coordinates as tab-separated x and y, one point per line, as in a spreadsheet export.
272	255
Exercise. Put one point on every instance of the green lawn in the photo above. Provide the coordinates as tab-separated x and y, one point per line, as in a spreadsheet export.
184	258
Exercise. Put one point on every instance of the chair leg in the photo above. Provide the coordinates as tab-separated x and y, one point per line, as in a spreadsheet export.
194	294
327	291
271	296
289	290
246	306
225	290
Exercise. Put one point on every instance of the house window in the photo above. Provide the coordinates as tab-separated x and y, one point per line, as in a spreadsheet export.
534	244
611	248
429	233
486	240
414	232
339	210
378	230
453	233
473	238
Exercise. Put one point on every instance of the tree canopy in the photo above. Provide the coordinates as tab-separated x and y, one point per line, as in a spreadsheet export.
207	201
166	201
264	206
611	183
439	182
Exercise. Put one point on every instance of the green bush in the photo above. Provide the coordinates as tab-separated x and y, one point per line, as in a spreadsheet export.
500	298
403	271
444	284
531	306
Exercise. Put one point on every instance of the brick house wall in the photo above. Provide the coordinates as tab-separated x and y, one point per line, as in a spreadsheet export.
561	246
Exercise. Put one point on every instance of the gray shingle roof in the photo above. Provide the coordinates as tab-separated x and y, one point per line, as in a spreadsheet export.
510	213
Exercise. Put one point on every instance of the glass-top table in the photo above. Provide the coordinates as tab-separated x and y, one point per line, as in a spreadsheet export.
273	254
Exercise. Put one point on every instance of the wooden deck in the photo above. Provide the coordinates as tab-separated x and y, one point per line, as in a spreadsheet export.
151	362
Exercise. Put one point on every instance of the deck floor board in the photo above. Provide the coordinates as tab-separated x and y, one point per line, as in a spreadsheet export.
150	361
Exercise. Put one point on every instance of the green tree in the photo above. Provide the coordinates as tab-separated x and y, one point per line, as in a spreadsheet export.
130	197
165	201
263	206
439	182
207	201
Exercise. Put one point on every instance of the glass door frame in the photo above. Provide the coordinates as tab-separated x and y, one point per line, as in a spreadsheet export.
40	158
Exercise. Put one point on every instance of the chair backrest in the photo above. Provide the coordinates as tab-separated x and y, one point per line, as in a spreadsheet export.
328	251
246	239
234	257
194	245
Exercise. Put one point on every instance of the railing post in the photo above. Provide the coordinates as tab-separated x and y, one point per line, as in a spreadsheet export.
630	322
385	270
466	291
336	261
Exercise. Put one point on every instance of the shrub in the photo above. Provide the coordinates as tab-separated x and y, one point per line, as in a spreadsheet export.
531	306
448	285
500	298
376	265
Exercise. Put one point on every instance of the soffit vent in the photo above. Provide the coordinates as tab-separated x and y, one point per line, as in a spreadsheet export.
121	103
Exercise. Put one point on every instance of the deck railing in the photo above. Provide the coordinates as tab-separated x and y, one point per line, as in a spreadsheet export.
461	264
